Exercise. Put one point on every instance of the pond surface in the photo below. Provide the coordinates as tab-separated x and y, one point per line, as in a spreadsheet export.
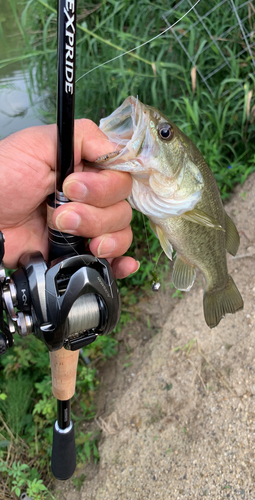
19	105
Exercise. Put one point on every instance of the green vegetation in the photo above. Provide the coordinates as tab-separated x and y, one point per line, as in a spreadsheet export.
28	412
219	116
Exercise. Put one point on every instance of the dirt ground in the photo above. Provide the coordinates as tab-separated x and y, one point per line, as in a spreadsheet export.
176	406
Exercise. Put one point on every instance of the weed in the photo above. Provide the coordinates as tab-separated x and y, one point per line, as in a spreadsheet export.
148	323
177	293
156	413
210	387
186	348
29	411
228	346
127	365
22	477
78	481
16	475
104	348
168	387
87	447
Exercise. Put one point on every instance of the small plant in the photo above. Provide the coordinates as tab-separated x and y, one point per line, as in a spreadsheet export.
167	387
104	348
177	293
20	477
78	481
187	347
87	447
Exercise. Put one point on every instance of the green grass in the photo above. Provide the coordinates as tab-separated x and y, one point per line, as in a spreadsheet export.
28	411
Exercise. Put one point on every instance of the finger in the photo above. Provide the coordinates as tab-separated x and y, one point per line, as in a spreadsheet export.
89	142
90	222
124	266
100	188
112	244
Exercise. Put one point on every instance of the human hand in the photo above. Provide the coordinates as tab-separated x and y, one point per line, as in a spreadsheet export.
98	209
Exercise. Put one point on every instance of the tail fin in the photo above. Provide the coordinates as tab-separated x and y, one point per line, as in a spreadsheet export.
219	303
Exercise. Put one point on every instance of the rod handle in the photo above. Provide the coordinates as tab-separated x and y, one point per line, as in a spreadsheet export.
63	457
63	373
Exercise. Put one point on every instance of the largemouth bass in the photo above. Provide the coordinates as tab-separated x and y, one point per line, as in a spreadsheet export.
174	187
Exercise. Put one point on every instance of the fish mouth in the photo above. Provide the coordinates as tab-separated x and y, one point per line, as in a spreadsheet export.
126	127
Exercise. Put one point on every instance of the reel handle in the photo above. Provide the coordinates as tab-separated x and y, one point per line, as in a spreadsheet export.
63	372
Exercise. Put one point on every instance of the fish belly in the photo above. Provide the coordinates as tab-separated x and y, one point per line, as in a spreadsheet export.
201	247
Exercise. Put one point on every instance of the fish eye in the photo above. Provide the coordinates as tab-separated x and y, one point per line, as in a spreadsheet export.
165	132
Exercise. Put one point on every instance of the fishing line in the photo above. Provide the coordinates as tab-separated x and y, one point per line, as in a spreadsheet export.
147	239
155	284
142	45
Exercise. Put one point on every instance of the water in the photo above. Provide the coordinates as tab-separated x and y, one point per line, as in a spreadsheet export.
19	104
18	109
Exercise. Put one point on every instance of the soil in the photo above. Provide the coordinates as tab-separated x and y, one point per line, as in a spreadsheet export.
177	404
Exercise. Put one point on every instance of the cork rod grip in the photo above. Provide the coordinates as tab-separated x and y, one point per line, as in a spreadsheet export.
63	373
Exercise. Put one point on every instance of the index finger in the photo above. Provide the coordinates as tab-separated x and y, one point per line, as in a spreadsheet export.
90	141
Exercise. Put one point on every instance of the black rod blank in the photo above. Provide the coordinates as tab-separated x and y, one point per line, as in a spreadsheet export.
66	94
61	244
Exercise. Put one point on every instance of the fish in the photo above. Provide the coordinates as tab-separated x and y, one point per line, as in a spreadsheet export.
175	188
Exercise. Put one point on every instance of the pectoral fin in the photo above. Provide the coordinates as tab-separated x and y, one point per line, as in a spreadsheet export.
200	217
184	274
164	242
153	228
233	238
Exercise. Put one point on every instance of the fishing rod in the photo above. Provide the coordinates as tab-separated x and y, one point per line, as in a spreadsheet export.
64	363
71	300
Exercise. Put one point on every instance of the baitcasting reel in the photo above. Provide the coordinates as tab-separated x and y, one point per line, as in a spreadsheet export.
66	304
